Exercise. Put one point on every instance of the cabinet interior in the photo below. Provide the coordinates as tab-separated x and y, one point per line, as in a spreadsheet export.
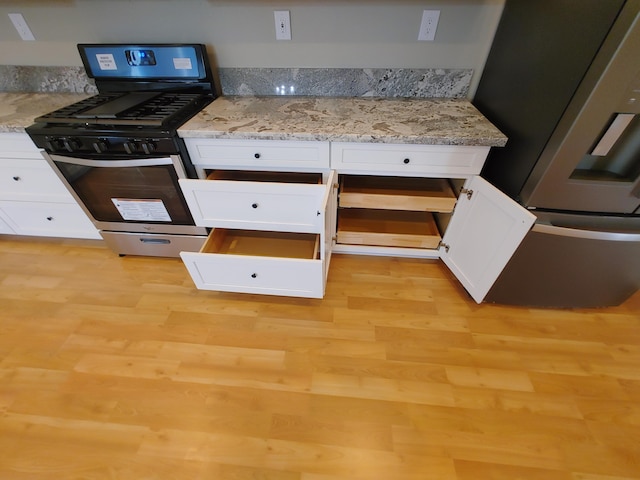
263	176
263	243
390	228
396	193
393	211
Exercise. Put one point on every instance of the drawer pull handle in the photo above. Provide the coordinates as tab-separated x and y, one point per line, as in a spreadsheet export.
406	161
254	275
50	219
156	241
17	179
256	155
254	205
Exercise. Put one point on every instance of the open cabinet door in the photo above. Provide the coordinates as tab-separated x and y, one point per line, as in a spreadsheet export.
330	203
485	229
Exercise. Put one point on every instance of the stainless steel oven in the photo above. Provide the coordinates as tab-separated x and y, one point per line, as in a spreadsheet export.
136	202
119	153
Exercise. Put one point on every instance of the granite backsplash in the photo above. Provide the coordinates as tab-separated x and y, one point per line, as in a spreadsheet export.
347	82
45	79
334	82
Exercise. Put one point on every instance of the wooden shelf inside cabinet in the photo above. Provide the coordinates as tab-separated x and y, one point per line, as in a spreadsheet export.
387	228
263	244
396	193
260	176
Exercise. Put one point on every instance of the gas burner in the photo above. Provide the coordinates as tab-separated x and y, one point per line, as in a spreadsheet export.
133	109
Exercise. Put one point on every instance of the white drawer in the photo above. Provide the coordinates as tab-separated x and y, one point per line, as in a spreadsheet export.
31	180
18	145
258	154
48	219
407	159
272	263
237	199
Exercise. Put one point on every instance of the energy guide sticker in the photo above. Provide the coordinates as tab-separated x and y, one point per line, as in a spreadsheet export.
142	210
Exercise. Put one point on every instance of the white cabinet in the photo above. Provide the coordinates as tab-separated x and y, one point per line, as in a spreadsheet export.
33	201
483	234
272	223
427	201
279	209
397	199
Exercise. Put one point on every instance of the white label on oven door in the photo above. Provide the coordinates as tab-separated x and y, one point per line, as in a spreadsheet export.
142	210
106	61
182	63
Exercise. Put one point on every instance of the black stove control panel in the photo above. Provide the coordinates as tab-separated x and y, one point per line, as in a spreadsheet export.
92	145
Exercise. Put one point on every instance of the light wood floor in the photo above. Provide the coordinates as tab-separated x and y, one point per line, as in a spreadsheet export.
117	368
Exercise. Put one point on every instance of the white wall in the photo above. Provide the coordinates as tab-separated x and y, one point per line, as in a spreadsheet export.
348	33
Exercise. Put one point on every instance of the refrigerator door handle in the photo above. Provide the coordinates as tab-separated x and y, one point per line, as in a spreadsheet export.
586	234
613	133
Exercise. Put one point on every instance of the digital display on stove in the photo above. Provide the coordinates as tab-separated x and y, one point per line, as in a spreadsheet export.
143	62
137	58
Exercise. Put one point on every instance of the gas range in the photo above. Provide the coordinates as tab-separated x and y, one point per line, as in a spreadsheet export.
118	123
145	93
118	152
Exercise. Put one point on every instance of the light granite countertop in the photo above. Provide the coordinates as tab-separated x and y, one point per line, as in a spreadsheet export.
340	119
18	110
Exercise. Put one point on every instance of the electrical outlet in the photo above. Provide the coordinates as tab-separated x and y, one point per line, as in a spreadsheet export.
21	26
283	24
429	25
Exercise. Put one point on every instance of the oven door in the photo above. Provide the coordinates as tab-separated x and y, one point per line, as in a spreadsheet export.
133	195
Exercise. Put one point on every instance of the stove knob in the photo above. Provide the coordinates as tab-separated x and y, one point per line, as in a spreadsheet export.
148	147
71	144
54	144
130	147
100	146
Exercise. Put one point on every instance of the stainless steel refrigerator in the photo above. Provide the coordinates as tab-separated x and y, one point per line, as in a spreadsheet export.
562	81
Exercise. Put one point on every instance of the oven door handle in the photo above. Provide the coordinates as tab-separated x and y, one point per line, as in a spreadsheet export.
137	162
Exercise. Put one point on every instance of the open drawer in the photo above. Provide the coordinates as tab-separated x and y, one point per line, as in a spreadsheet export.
273	263
280	201
396	193
387	228
276	201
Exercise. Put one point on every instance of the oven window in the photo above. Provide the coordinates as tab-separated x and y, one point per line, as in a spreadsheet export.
148	194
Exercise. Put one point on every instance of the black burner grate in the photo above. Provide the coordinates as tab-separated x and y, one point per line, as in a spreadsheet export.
160	110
